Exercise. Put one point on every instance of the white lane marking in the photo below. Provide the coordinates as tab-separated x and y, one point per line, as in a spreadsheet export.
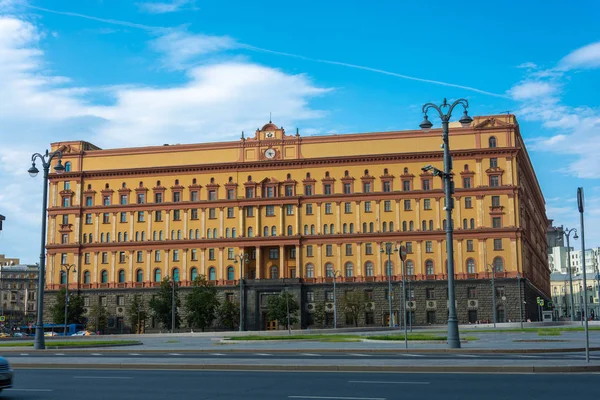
412	355
359	355
96	354
102	377
392	382
134	354
24	354
310	354
174	354
262	354
30	390
59	354
467	355
336	398
523	356
217	354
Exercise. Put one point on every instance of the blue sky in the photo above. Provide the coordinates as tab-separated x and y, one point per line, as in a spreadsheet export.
120	73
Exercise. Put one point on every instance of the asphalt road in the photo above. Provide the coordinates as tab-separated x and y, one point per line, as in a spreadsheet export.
234	385
57	354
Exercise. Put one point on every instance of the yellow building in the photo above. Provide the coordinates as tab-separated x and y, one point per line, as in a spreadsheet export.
302	208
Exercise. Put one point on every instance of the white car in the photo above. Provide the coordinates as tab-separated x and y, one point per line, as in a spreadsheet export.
50	334
6	374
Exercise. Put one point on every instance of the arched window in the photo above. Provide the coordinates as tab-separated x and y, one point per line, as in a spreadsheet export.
466	167
215	233
233	233
125	236
212	274
410	268
411	226
266	231
369	270
104	276
274	272
157	277
404	226
63	278
364	227
120	237
139	276
349	269
193	273
197	233
143	236
87	277
308	175
424	225
68	166
389	268
161	235
250	232
191	234
430	224
172	234
470	266
209	233
371	227
121	276
325	229
385	171
472	223
230	273
366	172
85	238
310	271
305	230
346	173
329	270
157	183
384	227
331	229
137	236
391	226
273	231
498	264
290	230
227	232
102	237
492	141
351	228
465	223
312	229
178	234
91	238
429	270
345	228
176	274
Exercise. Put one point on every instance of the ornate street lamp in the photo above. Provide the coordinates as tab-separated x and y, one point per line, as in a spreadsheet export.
243	259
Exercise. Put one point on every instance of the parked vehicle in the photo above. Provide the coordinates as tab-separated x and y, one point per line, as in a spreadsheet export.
83	333
6	374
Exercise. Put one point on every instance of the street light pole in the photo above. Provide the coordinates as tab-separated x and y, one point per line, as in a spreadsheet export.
335	275
587	333
567	232
67	268
287	306
492	268
465	120
403	255
520	300
243	259
46	160
173	283
388	270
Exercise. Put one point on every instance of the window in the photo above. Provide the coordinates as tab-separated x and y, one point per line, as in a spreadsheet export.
104	259
367	187
430	294
470	245
329	293
230	194
495	201
123	199
410	268
212	213
492	141
426	184
273	253
89	201
121	280
327	189
230	273
87	258
309	209
497	244
347	208
328	209
368	206
88	219
140	217
270	211
64	238
349	249
139	257
68	166
329	250
498	264
466	183
472	223
230	212
468	202
87	278
369	268
497	222
250	232
428	246
500	292
212	195
249	211
310	295
106	200
194	195
141	198
270	191
308	190
406	186
193	273
212	274
347	188
407	205
493	163
157	275
471	293
470	266
310	272
211	254
249	193
175	255
157	255
289	209
309	250
274	272
194	215
409	248
158	197
349	270
387	206
494	181
106	218
290	230
273	231
104	276
387	186
429	269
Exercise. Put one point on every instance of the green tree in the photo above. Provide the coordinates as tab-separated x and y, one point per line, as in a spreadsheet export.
319	314
74	312
136	312
161	304
355	303
201	304
277	310
98	318
229	315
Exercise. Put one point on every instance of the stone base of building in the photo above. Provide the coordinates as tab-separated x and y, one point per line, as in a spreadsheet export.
426	304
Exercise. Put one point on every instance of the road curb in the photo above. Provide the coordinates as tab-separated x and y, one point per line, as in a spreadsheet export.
322	368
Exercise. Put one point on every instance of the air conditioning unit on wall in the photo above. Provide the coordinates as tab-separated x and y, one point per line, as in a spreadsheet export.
472	304
411	305
431	304
120	310
310	307
370	306
329	307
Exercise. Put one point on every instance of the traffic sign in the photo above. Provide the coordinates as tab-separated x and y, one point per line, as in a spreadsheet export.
403	253
2	318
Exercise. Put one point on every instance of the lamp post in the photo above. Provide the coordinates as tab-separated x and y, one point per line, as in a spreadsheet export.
287	306
567	232
520	300
46	160
335	274
492	268
389	249
243	259
173	284
66	268
403	255
580	205
446	175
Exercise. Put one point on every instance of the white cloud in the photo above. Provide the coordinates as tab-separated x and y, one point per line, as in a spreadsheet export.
584	57
527	65
531	90
163	7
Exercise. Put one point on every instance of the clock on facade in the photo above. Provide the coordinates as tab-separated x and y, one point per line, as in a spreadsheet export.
269	153
269	135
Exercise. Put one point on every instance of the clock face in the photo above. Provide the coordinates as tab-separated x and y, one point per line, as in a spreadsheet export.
269	153
269	135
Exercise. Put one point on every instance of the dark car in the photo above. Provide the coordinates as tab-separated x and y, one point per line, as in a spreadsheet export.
6	374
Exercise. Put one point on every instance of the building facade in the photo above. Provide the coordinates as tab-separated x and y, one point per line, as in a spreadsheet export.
561	295
18	285
304	209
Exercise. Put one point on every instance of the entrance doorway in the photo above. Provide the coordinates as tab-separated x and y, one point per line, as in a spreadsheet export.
269	325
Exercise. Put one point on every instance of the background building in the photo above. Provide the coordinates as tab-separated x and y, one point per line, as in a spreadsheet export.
561	295
304	208
18	288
